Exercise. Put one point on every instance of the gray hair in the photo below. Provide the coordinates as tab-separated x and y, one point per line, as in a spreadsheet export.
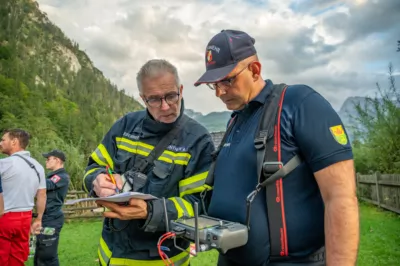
156	67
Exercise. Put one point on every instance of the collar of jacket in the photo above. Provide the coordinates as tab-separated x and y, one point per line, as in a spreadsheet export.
153	127
50	174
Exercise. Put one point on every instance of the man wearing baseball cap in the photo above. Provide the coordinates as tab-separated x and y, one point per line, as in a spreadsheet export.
318	209
57	181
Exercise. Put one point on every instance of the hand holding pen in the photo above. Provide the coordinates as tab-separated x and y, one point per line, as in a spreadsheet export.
112	178
107	184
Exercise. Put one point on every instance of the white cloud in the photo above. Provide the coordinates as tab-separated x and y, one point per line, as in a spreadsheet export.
309	42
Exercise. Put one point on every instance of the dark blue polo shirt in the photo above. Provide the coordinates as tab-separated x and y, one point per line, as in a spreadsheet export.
310	127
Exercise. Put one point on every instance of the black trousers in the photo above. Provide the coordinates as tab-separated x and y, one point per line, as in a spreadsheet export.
46	252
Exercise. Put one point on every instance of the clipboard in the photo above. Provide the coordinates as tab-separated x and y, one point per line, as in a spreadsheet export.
117	198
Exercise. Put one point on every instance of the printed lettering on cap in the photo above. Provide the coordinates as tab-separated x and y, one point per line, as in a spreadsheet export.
214	48
339	134
55	179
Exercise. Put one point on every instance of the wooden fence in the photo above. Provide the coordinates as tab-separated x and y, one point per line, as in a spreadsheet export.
382	190
81	210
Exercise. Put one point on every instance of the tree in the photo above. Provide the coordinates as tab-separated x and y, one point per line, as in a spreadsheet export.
40	93
377	146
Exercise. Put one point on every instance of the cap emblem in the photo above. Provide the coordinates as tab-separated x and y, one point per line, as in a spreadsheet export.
209	56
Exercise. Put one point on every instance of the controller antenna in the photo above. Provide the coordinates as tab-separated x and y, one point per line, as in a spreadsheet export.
196	227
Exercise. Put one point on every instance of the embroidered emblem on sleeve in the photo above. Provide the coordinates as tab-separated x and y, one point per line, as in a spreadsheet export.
55	179
339	134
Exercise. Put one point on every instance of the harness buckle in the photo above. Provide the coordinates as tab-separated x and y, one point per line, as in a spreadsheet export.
251	196
249	200
261	141
270	168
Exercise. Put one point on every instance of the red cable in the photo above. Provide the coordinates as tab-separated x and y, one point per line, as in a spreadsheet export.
163	256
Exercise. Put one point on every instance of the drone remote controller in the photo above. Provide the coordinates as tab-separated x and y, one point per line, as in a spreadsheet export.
211	233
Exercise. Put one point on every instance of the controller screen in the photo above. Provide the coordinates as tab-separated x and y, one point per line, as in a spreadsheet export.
203	222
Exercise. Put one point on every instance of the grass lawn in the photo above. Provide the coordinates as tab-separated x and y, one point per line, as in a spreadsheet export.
379	244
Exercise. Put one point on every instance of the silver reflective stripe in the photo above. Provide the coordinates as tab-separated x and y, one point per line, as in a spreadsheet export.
183	207
102	257
192	185
100	156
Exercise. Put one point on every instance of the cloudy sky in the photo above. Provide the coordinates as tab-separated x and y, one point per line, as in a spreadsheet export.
340	48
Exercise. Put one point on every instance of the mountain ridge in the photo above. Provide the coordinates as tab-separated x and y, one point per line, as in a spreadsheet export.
216	121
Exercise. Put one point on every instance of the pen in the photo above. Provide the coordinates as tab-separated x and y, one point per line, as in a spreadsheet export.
112	178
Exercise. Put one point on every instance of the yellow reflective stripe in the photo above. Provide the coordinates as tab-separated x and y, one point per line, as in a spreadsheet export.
134	146
137	147
193	179
181	158
102	157
106	155
133	150
182	259
134	143
193	184
101	258
96	158
164	159
178	154
181	162
195	190
104	247
88	173
168	160
188	207
183	207
177	207
103	252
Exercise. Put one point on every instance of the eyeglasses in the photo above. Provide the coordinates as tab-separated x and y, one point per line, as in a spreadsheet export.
228	82
170	98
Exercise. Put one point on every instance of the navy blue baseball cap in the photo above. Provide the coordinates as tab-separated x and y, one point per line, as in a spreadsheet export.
224	51
56	153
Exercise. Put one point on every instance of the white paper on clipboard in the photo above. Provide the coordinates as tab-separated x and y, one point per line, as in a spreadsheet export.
121	197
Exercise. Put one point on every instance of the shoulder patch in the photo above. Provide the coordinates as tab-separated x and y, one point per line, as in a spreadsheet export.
339	134
55	178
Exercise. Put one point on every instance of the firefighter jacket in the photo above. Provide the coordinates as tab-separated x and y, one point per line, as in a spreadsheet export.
178	175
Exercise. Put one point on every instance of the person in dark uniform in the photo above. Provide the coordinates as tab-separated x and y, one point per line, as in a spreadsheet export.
131	232
317	199
57	182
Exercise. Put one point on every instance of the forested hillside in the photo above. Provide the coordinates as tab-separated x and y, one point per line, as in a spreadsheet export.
51	88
